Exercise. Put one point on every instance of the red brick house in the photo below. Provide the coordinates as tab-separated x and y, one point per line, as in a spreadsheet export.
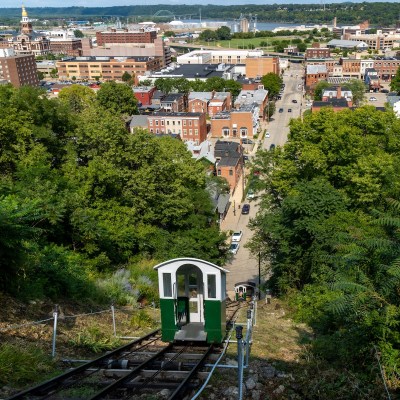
210	103
229	162
144	94
238	123
190	126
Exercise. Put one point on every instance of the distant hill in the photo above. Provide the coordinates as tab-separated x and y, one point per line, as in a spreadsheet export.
346	13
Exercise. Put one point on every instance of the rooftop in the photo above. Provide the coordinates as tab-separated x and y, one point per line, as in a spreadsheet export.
176	114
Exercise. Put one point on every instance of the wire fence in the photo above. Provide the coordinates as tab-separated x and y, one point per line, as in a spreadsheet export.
60	317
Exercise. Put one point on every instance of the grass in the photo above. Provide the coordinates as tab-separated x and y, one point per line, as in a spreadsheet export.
235	43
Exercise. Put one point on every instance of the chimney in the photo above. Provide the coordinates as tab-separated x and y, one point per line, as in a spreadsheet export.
339	92
226	153
212	94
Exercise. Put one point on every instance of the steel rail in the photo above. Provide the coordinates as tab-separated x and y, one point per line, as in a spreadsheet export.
178	393
120	382
54	383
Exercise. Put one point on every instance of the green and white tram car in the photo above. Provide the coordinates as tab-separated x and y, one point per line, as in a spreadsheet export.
192	300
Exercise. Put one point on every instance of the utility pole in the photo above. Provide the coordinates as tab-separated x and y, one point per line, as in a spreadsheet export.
259	275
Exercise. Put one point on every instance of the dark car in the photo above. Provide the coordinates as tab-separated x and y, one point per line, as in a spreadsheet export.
246	208
289	110
272	146
247	141
384	91
294	101
278	97
281	110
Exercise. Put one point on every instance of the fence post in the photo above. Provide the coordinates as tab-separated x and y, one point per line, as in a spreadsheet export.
239	336
113	319
248	336
55	316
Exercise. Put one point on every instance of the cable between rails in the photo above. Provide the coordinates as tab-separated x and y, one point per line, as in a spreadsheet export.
215	366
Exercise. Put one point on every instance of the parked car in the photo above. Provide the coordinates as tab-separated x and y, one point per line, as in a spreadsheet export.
281	110
234	247
245	158
294	101
384	91
267	134
289	110
372	98
237	236
272	146
247	141
245	208
250	194
278	97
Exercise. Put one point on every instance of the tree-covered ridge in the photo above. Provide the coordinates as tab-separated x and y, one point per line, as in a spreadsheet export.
80	195
329	229
346	13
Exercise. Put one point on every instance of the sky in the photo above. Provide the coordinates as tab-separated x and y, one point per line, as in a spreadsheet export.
110	3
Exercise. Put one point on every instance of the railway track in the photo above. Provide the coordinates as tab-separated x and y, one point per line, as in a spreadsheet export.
146	365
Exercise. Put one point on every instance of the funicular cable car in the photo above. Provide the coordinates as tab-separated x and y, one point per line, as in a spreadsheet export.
245	290
192	300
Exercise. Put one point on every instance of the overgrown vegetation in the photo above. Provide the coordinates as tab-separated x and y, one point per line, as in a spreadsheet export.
86	208
329	228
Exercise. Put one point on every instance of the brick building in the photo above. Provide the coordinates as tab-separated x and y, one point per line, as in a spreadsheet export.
190	126
229	161
19	70
317	52
314	74
237	123
351	67
106	68
144	94
249	97
387	68
210	103
259	66
69	46
174	102
123	36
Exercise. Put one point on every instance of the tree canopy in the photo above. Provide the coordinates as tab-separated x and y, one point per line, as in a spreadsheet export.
80	196
272	82
327	229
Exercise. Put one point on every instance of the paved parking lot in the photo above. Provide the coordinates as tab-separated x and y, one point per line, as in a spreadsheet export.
381	99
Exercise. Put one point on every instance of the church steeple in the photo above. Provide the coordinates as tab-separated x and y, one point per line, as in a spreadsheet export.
26	26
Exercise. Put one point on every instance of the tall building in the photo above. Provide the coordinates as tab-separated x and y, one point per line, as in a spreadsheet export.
19	70
28	41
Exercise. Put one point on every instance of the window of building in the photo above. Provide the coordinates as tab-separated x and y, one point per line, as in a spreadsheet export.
184	122
225	131
219	172
243	132
190	122
230	172
190	131
156	122
162	122
150	122
196	132
184	132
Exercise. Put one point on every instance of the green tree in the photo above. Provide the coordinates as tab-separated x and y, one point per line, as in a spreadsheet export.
127	78
166	85
169	34
272	82
223	33
78	33
358	89
40	75
208	35
319	89
77	97
395	83
117	97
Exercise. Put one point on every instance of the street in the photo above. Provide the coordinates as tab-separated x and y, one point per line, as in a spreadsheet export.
243	266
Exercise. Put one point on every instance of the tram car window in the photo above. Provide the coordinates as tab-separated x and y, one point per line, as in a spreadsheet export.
192	300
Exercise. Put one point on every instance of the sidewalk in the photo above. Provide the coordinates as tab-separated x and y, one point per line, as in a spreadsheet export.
232	217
